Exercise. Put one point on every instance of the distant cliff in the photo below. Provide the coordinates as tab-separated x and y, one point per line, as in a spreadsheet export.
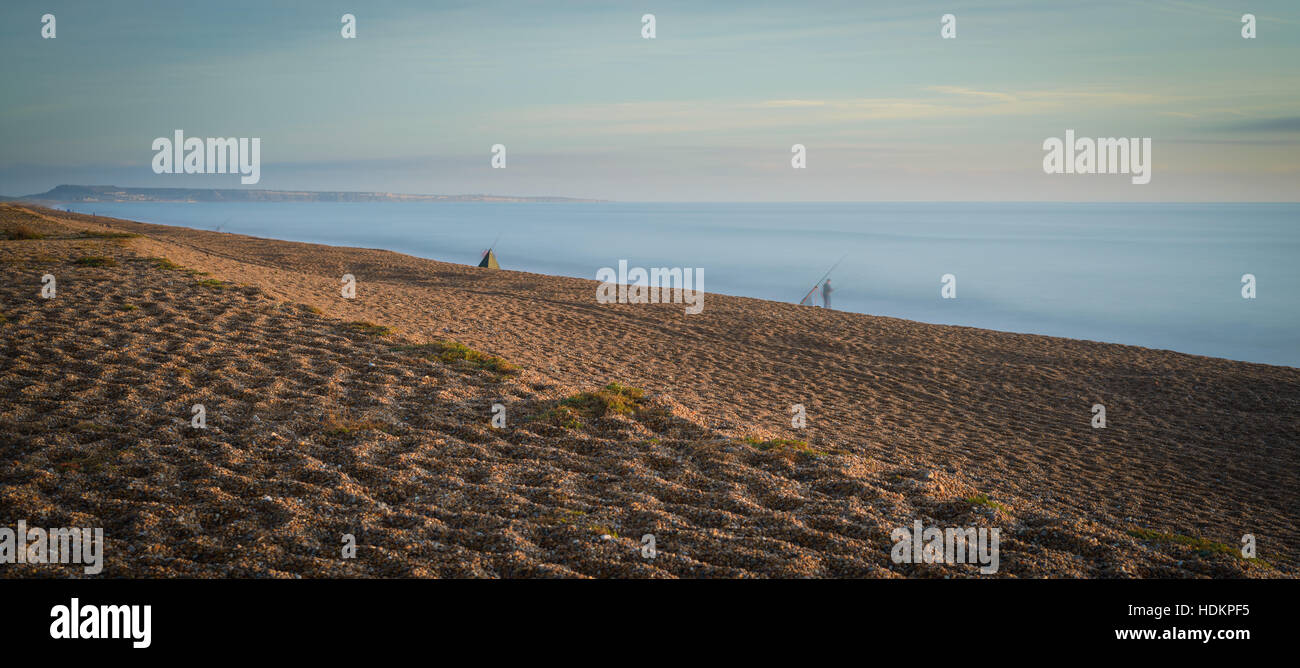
68	193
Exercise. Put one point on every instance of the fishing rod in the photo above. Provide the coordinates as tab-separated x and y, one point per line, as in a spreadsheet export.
824	277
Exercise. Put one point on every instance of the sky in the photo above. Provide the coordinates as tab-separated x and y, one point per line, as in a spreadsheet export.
708	110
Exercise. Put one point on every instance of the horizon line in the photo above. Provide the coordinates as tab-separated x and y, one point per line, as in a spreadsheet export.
588	200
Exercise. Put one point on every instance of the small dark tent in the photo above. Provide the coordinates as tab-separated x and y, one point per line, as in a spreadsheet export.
490	260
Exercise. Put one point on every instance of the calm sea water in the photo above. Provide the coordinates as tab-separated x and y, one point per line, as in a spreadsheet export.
1155	275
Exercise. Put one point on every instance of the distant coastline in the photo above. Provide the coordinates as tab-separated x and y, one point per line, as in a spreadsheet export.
74	193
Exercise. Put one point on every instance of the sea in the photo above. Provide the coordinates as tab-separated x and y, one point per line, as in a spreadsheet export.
1166	276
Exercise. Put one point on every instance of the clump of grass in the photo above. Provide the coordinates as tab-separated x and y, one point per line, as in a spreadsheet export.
370	328
782	445
1203	546
613	398
310	309
460	354
214	284
566	516
3	319
602	530
561	416
774	443
984	500
21	233
128	307
92	234
86	426
96	261
164	263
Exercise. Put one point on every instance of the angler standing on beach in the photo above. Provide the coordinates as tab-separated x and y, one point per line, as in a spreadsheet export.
825	284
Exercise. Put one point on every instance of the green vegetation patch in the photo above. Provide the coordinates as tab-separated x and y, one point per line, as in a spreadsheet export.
1203	546
561	416
602	530
91	234
164	263
984	500
565	516
774	443
96	261
459	354
783	445
370	328
214	284
613	398
21	233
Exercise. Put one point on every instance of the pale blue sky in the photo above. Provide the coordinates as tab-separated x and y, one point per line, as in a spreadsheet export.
706	111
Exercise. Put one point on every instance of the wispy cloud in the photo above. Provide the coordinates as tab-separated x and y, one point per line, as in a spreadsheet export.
1192	8
932	102
1287	124
793	103
959	90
